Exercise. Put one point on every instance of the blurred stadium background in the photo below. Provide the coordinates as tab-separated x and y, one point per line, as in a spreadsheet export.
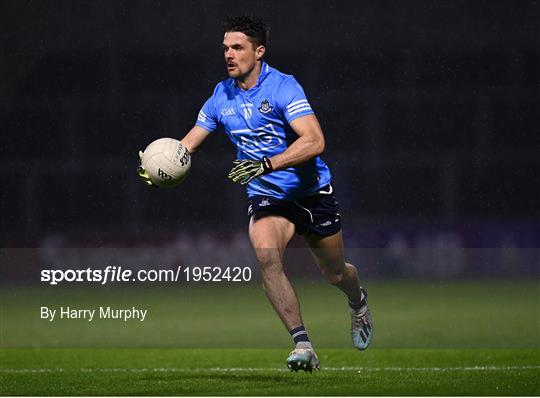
430	112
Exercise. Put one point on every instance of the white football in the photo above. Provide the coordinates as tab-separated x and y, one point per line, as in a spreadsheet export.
166	161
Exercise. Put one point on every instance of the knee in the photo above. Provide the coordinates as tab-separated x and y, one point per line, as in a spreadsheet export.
269	260
335	275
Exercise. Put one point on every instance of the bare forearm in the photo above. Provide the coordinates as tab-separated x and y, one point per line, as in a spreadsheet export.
194	138
190	147
303	149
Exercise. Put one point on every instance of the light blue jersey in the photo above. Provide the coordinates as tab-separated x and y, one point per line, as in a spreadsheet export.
257	122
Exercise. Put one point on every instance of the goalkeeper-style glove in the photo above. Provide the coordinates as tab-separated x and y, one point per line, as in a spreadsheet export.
143	175
245	170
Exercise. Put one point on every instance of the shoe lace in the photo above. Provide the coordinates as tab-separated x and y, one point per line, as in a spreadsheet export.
360	318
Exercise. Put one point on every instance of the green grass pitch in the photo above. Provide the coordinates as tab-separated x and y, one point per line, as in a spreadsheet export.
261	372
455	338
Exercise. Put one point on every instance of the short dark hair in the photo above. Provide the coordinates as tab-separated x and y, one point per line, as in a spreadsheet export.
253	27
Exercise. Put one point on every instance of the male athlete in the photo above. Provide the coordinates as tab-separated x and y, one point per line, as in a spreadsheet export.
278	139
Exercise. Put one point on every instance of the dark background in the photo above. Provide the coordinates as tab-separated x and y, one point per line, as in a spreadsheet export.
430	111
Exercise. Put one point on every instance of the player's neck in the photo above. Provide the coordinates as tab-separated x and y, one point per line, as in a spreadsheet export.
250	80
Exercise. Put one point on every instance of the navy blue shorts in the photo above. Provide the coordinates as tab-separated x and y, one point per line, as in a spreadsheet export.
315	214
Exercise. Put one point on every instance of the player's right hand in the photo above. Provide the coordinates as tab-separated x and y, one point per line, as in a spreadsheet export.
143	175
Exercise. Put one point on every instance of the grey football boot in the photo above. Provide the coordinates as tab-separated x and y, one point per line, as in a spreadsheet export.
361	324
303	357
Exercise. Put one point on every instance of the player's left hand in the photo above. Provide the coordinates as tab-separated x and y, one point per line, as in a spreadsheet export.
143	175
245	170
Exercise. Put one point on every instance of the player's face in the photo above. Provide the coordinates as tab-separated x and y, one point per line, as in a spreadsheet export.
241	56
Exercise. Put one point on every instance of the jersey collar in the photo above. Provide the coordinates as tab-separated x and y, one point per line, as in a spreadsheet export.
265	71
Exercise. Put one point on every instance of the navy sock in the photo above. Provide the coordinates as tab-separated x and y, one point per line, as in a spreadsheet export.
299	334
356	305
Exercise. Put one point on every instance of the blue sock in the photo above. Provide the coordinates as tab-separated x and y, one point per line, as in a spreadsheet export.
299	334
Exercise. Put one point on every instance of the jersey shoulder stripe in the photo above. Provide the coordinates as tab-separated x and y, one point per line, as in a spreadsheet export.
296	103
202	116
305	108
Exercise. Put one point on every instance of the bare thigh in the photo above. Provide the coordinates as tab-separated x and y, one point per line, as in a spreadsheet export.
269	237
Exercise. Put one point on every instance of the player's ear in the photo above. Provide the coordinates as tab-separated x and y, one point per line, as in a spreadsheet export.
259	52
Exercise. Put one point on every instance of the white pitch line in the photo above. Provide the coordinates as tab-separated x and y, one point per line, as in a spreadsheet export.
328	369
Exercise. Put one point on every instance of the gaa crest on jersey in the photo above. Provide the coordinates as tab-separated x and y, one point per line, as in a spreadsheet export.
228	112
265	107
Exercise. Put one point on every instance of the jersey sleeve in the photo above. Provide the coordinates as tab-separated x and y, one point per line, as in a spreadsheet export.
292	100
207	116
